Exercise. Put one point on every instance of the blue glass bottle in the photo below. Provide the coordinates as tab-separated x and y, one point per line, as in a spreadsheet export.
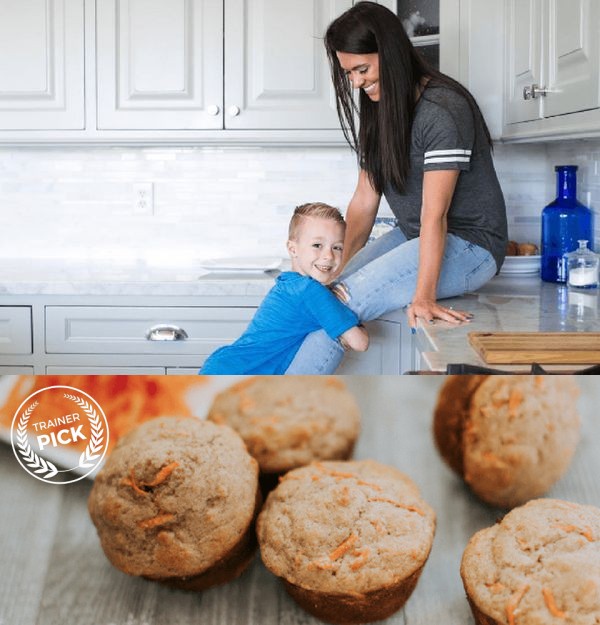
564	221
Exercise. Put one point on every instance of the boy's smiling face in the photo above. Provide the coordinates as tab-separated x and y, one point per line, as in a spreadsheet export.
316	250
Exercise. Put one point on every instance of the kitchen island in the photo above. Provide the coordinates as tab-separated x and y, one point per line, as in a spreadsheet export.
132	317
116	317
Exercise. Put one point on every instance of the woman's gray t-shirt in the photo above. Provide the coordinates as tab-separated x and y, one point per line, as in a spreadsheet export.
445	135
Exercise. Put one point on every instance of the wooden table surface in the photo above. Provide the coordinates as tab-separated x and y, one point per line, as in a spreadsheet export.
53	571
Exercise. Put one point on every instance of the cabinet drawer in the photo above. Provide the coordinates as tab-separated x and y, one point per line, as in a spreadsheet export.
15	330
139	330
60	370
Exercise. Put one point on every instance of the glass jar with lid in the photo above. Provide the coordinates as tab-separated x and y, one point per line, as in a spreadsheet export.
582	267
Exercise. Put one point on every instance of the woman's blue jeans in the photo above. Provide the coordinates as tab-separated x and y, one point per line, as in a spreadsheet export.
382	277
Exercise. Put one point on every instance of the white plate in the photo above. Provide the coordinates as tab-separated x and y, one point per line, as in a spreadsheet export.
199	400
255	264
521	265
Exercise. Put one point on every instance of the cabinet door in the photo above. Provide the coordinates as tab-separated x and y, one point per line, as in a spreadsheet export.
383	355
159	64
574	57
523	58
41	65
276	70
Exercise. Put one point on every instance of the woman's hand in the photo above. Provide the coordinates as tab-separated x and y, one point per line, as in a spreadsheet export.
428	310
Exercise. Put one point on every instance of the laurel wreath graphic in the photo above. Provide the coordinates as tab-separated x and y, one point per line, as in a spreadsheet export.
31	458
47	469
94	447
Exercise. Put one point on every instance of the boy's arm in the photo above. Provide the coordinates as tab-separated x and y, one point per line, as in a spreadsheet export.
339	321
356	338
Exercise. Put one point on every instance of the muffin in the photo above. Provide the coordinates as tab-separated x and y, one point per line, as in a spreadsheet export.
176	502
539	566
348	539
512	248
509	437
527	249
287	422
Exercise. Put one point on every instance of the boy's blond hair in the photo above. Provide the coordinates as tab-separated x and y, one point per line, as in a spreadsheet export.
313	209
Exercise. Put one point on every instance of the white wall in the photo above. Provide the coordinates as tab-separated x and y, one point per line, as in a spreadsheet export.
78	202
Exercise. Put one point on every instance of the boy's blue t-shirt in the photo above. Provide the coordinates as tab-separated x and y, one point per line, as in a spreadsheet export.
296	306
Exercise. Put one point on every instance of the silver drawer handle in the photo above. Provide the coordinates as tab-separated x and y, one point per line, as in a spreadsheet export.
165	332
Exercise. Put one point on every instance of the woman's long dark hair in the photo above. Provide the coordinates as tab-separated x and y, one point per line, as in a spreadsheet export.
384	135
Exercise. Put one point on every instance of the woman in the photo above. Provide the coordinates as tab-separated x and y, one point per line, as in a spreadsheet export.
423	143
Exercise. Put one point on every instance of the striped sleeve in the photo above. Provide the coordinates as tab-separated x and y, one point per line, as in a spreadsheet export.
447	136
447	156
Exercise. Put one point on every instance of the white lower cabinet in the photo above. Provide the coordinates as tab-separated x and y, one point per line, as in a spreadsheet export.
383	355
61	370
14	370
138	340
142	330
83	335
15	330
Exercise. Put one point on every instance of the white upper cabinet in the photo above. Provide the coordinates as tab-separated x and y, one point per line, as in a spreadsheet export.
41	64
276	70
167	70
573	57
552	65
159	64
523	59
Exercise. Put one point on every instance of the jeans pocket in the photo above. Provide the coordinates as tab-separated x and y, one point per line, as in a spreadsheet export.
483	271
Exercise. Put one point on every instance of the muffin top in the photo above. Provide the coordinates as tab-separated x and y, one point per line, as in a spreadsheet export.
287	422
174	496
520	436
540	565
345	527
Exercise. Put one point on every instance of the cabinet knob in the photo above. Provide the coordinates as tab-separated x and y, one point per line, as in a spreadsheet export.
531	92
166	332
538	92
212	109
233	110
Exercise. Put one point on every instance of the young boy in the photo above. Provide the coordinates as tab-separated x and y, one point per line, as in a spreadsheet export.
298	304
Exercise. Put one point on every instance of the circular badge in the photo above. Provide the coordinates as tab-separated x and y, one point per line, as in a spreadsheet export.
62	425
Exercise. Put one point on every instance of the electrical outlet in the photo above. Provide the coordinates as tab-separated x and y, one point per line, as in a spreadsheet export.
143	198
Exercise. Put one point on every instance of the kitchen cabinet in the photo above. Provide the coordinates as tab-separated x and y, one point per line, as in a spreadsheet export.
383	355
42	65
276	70
421	20
155	330
173	65
137	339
161	333
462	39
171	70
184	71
15	330
552	68
497	49
159	64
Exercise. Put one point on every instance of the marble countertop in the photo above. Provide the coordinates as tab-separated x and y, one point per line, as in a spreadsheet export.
62	277
507	304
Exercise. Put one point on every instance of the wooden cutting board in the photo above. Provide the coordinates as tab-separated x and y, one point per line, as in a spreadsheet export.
514	348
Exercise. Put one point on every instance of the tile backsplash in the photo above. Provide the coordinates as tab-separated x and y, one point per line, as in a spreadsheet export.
78	202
